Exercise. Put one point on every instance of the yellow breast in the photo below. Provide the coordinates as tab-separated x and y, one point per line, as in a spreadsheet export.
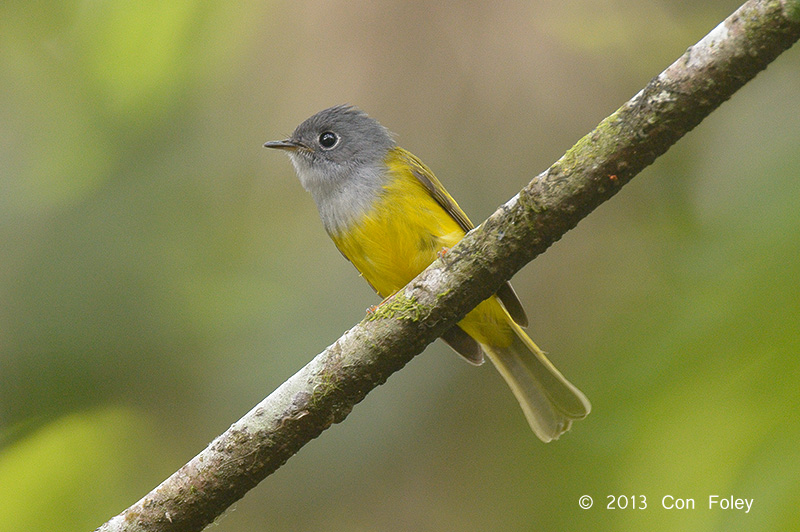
401	234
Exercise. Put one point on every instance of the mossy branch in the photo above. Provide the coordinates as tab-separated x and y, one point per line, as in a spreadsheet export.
324	391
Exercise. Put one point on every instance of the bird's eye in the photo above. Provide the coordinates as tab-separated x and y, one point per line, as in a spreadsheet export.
328	139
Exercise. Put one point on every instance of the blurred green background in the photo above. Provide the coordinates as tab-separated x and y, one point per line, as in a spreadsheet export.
161	272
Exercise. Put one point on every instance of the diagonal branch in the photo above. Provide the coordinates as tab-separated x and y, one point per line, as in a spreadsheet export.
325	390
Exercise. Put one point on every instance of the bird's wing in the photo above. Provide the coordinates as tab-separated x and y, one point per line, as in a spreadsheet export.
425	176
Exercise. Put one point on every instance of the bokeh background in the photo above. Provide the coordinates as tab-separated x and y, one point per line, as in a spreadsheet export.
161	272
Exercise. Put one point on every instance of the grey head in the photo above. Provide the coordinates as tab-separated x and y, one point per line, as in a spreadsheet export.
339	155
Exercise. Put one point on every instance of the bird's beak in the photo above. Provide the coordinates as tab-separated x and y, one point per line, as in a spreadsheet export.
287	144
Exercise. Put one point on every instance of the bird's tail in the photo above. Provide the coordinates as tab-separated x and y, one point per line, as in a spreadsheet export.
550	402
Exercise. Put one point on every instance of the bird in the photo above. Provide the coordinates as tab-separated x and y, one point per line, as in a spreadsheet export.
390	216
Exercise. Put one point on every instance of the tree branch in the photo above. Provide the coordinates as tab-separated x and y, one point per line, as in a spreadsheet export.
324	391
